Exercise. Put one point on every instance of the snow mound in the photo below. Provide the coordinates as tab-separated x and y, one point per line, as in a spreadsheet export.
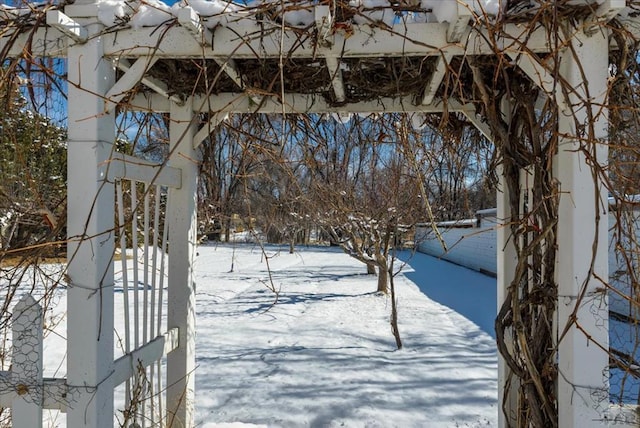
295	13
151	13
373	11
212	12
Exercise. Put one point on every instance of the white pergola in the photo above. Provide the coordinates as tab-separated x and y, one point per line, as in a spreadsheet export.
94	53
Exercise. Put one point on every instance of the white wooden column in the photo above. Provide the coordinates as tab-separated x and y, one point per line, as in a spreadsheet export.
506	265
90	222
182	217
582	364
507	260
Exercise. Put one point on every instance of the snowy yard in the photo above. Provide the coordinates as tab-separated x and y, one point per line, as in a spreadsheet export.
324	356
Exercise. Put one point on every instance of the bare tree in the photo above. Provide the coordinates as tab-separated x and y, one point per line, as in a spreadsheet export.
366	191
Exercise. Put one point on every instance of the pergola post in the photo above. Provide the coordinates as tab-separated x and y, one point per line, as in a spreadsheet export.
506	263
582	312
90	228
182	217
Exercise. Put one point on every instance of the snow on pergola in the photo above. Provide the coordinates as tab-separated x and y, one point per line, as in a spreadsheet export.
357	57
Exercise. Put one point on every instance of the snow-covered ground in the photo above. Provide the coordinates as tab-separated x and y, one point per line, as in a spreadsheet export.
324	355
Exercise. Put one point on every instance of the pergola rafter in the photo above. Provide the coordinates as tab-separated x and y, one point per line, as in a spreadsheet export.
150	82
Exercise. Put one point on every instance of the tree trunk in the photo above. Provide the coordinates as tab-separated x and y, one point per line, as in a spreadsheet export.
12	231
394	313
292	246
383	280
371	269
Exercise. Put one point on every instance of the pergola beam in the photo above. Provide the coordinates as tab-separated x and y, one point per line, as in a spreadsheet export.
324	24
42	42
476	121
189	19
231	70
250	40
294	103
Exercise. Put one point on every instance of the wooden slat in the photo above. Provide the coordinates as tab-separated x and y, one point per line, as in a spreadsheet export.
127	366
133	168
537	72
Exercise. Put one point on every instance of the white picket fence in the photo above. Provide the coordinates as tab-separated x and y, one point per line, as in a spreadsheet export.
141	339
27	393
23	387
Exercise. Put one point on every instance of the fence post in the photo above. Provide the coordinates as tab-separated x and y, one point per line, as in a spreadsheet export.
182	218
26	372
